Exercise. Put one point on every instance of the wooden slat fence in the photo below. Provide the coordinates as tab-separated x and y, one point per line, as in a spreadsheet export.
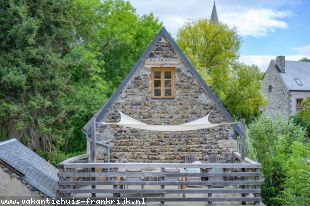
162	182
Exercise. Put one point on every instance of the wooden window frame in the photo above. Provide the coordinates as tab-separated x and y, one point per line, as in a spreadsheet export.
162	84
299	106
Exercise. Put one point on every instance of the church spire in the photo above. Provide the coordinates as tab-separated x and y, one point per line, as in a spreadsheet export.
214	17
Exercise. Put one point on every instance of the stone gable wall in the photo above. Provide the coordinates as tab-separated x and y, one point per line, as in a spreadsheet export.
278	98
191	102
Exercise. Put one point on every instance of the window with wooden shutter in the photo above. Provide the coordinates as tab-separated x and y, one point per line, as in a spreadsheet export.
162	83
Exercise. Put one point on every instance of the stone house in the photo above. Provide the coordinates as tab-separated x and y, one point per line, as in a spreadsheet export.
286	84
163	88
25	174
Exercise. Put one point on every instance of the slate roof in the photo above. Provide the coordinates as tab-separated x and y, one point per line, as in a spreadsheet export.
296	76
162	33
36	171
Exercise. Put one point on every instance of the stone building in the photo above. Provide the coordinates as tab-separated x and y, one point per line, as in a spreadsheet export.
24	174
163	88
286	84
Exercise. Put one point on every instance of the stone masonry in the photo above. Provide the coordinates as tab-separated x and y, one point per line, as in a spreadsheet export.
278	98
190	103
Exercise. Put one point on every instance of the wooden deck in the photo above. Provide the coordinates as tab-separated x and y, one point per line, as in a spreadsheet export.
163	183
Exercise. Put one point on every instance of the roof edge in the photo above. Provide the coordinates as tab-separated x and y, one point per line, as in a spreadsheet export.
38	186
8	141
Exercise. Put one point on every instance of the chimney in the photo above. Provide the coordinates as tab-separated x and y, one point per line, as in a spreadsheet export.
280	61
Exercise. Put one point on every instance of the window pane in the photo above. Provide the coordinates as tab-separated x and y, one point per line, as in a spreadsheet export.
167	74
167	92
167	84
157	83
157	92
157	75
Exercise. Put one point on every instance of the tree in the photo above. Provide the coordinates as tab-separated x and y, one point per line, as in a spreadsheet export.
213	50
297	184
35	37
243	95
118	34
272	140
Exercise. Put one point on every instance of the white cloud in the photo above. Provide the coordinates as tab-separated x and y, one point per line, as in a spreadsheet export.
262	61
252	18
303	49
256	22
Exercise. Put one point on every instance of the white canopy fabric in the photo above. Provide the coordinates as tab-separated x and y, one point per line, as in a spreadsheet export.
201	123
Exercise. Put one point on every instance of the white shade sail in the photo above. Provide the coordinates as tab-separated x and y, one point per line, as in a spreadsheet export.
202	123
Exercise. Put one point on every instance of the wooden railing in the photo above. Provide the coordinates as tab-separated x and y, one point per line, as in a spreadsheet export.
162	182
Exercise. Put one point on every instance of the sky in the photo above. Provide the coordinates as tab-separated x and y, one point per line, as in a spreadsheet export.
268	28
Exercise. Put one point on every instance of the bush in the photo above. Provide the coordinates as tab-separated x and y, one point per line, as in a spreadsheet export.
297	169
272	141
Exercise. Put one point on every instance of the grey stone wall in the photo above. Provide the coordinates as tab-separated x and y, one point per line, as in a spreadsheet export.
191	102
278	98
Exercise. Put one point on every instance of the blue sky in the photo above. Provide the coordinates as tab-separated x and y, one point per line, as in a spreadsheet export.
268	28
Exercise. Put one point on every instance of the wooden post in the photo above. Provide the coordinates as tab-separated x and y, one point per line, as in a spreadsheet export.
257	187
74	178
93	142
61	178
162	202
242	140
243	187
93	153
242	152
210	194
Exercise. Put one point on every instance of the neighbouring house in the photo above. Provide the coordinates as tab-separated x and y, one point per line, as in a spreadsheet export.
23	173
163	88
286	84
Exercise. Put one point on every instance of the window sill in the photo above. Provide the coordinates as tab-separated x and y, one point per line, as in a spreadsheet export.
163	99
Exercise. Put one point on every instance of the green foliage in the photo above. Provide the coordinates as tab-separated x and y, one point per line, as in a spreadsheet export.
274	143
213	50
243	96
35	36
117	34
88	91
297	169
